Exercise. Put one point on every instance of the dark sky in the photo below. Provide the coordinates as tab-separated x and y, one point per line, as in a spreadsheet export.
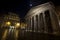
21	7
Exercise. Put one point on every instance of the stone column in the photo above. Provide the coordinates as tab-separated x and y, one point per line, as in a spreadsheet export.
54	21
27	24
38	24
45	25
41	22
31	25
34	24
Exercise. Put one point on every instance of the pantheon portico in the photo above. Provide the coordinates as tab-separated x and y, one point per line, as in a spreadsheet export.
42	18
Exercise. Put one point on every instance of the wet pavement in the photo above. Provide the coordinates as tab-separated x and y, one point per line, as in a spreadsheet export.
17	34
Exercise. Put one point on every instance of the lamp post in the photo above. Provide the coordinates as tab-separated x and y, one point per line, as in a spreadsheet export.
17	25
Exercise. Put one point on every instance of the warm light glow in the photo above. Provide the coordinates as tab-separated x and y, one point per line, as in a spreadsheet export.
17	24
23	25
8	23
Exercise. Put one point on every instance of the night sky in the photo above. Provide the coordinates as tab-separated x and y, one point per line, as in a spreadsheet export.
22	7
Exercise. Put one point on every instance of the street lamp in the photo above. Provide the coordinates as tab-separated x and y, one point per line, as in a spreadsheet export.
17	25
8	23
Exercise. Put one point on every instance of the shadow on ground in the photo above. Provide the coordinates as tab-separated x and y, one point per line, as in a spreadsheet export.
38	36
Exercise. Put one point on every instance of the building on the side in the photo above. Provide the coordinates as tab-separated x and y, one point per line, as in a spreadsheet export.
42	18
10	20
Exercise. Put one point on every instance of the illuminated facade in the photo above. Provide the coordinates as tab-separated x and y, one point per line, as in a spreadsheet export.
42	18
10	19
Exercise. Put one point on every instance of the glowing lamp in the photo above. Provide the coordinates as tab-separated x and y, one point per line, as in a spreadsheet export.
8	23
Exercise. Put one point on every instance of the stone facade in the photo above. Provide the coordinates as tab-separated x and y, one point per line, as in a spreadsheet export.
42	18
